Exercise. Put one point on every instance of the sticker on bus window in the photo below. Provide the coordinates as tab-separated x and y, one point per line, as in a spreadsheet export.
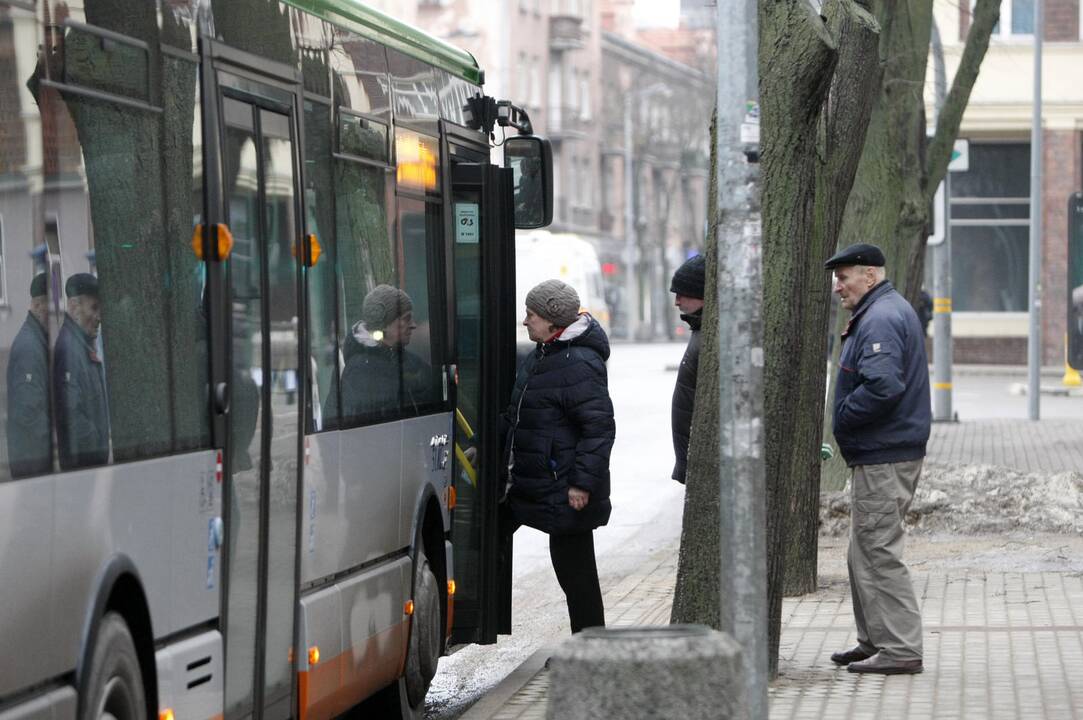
467	225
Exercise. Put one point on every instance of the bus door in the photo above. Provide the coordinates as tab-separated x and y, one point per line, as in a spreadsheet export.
482	243
259	196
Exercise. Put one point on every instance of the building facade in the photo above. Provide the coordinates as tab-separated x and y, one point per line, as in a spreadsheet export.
556	59
990	206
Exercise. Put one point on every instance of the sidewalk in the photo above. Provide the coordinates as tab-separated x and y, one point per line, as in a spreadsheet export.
1000	644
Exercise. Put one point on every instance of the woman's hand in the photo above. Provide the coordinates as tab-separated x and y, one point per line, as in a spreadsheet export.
578	498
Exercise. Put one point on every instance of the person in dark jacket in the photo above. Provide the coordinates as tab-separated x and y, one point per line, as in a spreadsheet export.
882	418
82	407
560	434
29	430
687	286
380	374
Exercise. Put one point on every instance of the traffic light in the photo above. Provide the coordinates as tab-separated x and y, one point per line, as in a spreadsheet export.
1075	281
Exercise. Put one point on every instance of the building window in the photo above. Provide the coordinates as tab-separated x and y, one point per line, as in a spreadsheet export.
1016	19
990	221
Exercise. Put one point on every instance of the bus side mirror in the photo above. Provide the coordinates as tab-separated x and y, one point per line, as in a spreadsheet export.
531	161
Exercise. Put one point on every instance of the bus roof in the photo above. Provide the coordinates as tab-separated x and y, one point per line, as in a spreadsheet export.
394	33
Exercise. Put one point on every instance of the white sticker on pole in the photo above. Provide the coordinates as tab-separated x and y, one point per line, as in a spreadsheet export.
938	217
466	223
960	156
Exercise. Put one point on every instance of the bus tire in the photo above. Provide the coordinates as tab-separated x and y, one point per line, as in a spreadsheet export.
425	631
114	684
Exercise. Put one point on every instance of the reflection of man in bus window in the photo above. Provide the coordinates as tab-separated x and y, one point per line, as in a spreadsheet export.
375	354
82	424
30	437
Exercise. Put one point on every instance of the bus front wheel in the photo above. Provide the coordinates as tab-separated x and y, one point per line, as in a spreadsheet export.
114	686
425	631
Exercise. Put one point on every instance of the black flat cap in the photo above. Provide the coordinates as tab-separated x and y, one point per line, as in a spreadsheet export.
859	254
38	286
81	284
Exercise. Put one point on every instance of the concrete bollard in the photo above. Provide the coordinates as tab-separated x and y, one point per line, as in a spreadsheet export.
685	672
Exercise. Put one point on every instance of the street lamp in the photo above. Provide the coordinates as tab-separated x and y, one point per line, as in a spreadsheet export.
631	288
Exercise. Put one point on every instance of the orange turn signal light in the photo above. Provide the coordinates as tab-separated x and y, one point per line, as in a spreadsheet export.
221	234
451	588
312	250
408	607
166	714
313	655
452	498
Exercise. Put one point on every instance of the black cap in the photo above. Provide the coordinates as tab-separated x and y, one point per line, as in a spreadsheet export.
859	254
688	280
38	286
81	284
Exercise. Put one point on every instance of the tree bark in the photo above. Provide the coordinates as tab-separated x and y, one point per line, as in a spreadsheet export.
817	77
696	594
899	174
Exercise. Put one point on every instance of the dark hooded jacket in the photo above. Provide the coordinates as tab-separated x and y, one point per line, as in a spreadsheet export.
684	396
561	431
371	381
882	405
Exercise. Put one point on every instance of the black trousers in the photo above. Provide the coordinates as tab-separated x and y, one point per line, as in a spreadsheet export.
577	573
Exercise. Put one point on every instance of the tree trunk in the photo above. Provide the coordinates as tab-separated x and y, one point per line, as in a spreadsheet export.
899	170
696	594
816	97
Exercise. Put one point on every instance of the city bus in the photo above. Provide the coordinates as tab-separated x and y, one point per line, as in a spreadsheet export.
257	323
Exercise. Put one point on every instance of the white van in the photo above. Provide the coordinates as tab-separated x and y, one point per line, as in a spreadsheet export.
543	255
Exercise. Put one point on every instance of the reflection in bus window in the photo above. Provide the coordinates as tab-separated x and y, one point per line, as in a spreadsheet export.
29	431
82	411
381	374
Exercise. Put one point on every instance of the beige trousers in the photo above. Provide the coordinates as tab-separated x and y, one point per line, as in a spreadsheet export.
885	608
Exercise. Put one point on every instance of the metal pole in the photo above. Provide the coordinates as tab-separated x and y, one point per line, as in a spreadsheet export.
942	343
631	289
742	492
1034	339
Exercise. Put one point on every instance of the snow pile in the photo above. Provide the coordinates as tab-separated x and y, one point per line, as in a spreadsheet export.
973	499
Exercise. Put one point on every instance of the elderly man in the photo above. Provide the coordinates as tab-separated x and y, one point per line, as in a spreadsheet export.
881	423
30	435
82	408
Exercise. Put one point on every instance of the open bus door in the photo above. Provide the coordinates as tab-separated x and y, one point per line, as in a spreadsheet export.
482	252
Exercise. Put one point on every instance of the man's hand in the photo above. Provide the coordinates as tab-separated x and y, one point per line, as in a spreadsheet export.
578	498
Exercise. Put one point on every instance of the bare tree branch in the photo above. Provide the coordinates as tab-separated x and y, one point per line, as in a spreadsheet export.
938	153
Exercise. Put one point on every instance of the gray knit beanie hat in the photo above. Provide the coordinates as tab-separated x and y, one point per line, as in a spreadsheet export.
383	305
556	301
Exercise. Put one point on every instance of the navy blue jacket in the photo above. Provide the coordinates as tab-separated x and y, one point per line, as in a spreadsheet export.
30	434
561	431
882	406
82	410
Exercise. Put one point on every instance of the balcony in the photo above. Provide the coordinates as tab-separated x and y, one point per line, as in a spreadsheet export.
565	32
565	123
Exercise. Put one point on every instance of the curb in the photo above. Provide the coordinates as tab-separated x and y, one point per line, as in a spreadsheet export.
495	700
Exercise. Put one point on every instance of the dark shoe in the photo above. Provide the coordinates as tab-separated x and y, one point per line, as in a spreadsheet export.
886	666
850	656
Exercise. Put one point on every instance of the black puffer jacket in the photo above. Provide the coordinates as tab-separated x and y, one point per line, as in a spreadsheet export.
684	396
561	430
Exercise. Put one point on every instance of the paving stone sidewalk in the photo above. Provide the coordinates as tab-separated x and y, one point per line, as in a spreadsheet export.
1026	445
997	644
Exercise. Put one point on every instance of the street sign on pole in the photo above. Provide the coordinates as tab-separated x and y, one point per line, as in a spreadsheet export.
1075	281
960	156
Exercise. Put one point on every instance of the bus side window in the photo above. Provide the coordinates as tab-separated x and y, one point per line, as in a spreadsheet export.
129	377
